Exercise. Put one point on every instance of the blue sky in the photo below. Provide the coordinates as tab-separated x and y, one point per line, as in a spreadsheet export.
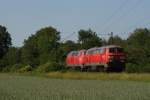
25	17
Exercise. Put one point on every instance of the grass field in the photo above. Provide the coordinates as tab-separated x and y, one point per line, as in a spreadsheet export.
99	76
15	87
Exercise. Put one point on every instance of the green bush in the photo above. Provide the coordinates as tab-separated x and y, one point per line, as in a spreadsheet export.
27	68
146	68
6	69
49	66
16	67
134	68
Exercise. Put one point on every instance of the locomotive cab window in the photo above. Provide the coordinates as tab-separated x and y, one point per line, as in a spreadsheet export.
70	54
89	52
100	50
116	50
84	52
75	53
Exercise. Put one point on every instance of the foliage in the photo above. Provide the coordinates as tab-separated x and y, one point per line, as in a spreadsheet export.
49	66
5	41
88	39
116	40
30	52
13	56
27	68
131	68
39	48
16	67
138	50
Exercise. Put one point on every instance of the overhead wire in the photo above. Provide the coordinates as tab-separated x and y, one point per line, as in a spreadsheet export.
124	15
123	4
68	36
137	23
129	12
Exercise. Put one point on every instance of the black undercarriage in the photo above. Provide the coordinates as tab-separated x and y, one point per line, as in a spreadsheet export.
114	66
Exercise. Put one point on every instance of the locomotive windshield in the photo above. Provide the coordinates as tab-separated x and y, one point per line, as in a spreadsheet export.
116	50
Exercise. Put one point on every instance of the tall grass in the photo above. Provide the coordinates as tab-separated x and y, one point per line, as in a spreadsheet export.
99	76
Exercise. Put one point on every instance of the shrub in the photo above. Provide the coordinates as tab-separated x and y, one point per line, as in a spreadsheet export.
16	67
134	68
6	69
49	66
25	69
146	68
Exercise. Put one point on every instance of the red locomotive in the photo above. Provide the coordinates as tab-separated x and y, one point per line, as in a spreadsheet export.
106	58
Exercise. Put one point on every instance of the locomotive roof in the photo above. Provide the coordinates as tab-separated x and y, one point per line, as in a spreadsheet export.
108	46
77	51
82	50
92	48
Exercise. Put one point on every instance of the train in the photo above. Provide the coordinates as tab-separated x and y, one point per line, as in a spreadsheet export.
105	58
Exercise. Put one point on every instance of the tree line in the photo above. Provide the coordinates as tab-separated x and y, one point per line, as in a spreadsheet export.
44	51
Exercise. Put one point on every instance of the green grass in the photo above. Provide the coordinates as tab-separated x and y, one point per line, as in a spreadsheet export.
15	87
99	76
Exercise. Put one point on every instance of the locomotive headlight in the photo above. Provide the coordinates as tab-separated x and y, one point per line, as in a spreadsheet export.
122	57
111	57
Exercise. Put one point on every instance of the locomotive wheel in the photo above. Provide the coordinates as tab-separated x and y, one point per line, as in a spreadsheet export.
108	69
100	69
88	68
120	69
84	69
77	68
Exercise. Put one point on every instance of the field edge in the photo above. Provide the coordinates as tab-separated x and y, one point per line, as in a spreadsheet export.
88	75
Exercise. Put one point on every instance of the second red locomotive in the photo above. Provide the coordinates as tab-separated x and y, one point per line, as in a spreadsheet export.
106	58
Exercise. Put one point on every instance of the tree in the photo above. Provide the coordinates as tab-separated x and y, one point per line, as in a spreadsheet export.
88	39
48	43
5	41
70	46
30	52
11	60
138	50
41	47
13	56
116	40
